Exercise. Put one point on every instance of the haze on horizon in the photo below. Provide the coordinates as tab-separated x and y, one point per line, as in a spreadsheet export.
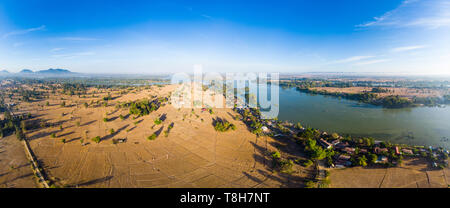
396	36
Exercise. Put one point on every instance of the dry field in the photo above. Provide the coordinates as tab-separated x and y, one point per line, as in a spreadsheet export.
413	173
403	92
15	169
192	155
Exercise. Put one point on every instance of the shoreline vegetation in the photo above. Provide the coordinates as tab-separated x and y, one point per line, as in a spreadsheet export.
323	150
370	97
334	151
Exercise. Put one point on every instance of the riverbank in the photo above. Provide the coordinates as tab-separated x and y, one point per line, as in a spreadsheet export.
335	152
387	97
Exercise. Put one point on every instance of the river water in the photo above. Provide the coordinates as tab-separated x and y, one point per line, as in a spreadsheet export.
418	126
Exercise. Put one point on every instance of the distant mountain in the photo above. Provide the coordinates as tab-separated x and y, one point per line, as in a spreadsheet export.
26	71
54	71
4	72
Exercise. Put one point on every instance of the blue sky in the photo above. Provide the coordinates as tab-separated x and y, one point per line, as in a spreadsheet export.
399	36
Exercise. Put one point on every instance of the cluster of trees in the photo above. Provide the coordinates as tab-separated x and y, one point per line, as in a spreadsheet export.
310	83
395	101
223	125
74	88
28	95
392	101
142	108
379	90
13	124
282	165
252	118
316	152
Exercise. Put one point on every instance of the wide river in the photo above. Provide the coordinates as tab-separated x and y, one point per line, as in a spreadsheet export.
418	126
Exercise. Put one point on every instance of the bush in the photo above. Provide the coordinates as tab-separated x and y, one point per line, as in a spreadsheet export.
276	155
310	184
157	121
223	125
53	135
111	131
308	163
152	137
96	139
105	119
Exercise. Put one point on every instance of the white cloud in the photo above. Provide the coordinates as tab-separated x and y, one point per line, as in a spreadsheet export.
408	48
371	62
430	14
22	32
352	59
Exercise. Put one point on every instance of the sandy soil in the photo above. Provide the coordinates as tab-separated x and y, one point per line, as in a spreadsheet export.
414	173
15	169
403	92
192	155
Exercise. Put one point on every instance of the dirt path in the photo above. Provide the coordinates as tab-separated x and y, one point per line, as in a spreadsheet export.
15	170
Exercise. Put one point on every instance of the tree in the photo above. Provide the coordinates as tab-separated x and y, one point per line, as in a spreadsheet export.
316	152
157	121
152	137
298	126
276	155
308	163
335	135
373	158
20	135
96	139
362	161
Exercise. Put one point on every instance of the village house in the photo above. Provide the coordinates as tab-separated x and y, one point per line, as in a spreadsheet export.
363	150
341	145
349	150
382	159
397	152
378	150
343	157
265	129
335	142
325	144
342	163
407	151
